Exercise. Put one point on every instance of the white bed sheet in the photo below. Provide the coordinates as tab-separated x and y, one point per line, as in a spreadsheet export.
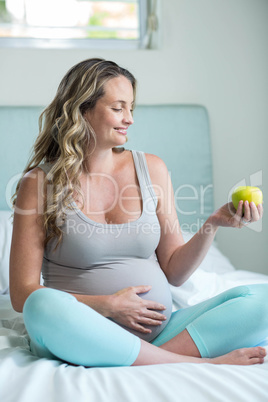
25	378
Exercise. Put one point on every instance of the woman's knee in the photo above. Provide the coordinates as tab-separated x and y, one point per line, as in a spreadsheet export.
259	294
254	307
42	302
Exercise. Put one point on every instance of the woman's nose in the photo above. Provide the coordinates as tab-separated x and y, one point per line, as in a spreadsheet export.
128	118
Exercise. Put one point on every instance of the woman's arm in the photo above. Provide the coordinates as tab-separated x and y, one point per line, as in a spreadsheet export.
177	259
27	239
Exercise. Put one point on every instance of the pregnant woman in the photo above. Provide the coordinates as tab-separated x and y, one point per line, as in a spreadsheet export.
99	223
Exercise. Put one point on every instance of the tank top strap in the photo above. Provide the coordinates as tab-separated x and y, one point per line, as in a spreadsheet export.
143	174
46	167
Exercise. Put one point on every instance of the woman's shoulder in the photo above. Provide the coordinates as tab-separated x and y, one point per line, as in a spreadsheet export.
32	176
154	159
151	159
35	175
39	171
32	182
156	165
30	189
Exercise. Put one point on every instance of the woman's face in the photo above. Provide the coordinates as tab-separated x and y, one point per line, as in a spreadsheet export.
112	114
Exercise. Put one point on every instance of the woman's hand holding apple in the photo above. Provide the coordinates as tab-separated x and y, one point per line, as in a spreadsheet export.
228	216
246	207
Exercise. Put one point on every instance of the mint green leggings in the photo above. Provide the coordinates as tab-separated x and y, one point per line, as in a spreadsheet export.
61	327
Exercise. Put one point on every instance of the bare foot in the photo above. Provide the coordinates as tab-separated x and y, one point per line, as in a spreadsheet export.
244	357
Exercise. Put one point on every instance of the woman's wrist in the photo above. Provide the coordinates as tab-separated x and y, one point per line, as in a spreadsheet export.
100	303
107	306
210	226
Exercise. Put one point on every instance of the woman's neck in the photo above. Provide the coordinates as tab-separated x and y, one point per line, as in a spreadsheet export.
100	161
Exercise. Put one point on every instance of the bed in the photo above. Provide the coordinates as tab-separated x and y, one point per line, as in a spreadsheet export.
24	377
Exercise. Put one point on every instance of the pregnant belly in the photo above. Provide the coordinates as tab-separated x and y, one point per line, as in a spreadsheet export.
110	278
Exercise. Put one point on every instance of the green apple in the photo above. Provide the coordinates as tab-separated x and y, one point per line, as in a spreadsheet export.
247	193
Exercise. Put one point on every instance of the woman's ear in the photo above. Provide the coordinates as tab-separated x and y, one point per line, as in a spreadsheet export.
84	114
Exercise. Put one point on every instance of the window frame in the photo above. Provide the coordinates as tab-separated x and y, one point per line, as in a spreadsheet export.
87	43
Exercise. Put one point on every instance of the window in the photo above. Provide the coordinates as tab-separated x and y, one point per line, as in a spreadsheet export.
75	23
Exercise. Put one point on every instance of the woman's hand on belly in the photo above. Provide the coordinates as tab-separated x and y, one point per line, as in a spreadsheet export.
130	310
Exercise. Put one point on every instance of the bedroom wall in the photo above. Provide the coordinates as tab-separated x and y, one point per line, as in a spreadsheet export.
212	53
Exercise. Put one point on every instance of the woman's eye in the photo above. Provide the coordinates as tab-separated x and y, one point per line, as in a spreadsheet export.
116	110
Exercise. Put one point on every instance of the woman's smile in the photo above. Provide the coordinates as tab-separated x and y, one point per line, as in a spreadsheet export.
121	130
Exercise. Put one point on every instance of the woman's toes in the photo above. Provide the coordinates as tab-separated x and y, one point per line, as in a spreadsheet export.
257	352
262	352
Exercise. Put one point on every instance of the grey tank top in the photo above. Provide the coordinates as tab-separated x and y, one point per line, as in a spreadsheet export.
100	259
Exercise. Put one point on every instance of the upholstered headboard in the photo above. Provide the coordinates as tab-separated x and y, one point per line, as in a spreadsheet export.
179	134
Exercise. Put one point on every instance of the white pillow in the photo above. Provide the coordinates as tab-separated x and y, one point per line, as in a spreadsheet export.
5	242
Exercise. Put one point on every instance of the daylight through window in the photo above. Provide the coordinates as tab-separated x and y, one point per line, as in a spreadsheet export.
72	23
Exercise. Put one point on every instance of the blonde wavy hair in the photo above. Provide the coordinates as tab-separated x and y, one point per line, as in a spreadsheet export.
65	137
